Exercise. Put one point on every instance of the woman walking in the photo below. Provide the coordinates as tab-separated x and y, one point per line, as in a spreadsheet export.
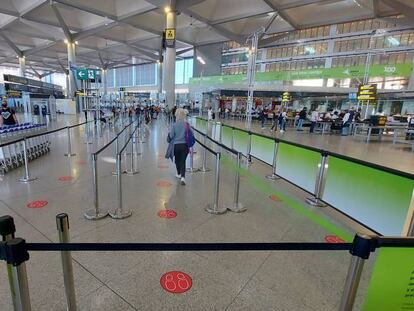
179	136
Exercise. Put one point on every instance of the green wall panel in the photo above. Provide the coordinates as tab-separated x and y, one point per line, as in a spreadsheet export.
392	282
263	148
376	198
226	136
298	165
241	139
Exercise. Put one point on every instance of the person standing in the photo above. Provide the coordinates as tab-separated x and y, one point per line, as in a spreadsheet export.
274	120
302	117
282	121
7	115
314	120
178	135
210	114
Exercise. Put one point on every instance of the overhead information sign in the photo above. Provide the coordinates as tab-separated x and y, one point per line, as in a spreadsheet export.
170	37
367	92
86	74
286	97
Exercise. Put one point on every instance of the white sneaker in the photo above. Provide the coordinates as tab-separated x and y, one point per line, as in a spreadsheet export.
183	181
178	176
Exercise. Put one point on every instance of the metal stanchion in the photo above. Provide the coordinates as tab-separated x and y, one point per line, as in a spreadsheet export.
214	208
132	171
360	251
7	231
191	169
136	142
320	183
119	213
69	153
204	168
96	213
273	176
88	134
26	178
115	172
17	256
237	207
62	222
249	149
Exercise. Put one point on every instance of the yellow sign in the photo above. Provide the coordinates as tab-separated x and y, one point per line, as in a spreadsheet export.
170	34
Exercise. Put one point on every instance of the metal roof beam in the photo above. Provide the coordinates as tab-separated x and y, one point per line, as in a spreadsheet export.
150	55
283	15
400	7
11	44
62	23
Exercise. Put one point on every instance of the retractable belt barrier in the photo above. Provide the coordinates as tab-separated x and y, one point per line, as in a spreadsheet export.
15	251
98	213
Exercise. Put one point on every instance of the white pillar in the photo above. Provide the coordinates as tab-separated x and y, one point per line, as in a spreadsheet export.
22	66
71	61
170	56
159	79
67	85
105	81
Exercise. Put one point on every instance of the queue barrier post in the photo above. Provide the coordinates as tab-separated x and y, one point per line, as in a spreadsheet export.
237	207
7	231
26	178
191	169
214	208
320	182
69	153
362	247
87	133
274	176
204	168
119	212
115	172
96	213
137	142
62	223
249	149
132	171
16	254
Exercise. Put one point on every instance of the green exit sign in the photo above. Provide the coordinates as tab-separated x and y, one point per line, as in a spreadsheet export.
86	74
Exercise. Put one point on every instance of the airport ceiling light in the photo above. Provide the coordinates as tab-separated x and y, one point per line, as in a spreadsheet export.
309	50
393	41
201	60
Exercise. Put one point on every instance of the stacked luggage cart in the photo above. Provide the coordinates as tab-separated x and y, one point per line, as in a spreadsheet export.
11	144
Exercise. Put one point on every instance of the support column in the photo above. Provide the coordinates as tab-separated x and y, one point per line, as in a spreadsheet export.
67	84
105	81
22	66
159	63
71	62
170	55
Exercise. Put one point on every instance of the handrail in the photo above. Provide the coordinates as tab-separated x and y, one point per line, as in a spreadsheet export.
326	152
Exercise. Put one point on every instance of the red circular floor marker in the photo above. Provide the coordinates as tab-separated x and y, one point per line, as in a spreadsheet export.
163	167
81	162
66	178
333	239
176	282
167	214
37	204
164	184
274	197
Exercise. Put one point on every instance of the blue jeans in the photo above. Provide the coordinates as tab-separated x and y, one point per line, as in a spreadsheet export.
282	125
300	124
312	127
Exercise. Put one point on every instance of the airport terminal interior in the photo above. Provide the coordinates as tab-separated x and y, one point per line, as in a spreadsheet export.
207	155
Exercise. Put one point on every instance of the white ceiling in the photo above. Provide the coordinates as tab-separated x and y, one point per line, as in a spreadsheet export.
115	33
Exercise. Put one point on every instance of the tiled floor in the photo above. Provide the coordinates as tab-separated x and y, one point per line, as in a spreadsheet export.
131	280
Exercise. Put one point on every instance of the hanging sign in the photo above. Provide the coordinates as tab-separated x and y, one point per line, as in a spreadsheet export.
170	37
367	92
286	97
86	74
